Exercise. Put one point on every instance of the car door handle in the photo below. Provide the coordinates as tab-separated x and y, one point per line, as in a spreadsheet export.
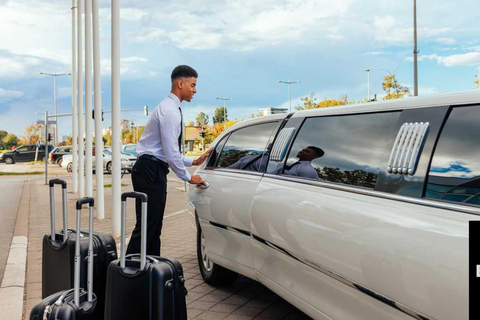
204	185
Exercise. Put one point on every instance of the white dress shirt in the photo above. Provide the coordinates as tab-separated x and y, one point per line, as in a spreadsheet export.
302	169
160	136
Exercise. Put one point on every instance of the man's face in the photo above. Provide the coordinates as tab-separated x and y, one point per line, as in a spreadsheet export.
306	154
188	87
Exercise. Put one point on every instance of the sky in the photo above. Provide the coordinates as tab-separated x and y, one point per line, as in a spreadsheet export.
240	50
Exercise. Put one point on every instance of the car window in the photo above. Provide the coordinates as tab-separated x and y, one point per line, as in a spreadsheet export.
341	149
130	148
216	153
455	170
22	149
245	147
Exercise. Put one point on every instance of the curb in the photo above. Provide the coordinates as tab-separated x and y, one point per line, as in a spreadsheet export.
13	284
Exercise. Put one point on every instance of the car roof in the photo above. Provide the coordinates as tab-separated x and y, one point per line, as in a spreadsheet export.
462	98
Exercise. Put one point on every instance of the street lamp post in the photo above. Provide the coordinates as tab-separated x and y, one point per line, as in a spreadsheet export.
289	92
224	111
415	50
55	75
368	81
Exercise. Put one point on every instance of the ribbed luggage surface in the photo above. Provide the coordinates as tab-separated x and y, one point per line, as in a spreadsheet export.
156	292
58	262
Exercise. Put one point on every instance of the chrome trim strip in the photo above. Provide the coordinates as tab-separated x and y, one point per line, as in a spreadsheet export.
430	203
412	167
281	143
414	314
394	149
190	203
405	143
250	173
401	142
414	137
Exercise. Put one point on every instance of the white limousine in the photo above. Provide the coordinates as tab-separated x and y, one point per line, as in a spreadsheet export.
352	212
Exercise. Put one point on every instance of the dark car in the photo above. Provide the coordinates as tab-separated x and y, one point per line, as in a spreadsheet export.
55	156
24	154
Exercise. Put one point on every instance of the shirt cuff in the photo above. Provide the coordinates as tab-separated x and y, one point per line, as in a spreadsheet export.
188	177
188	162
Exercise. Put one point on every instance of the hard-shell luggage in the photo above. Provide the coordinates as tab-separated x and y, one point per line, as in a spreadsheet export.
74	303
58	254
144	287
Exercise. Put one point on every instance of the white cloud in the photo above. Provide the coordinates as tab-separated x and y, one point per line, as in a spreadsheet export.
134	59
464	59
149	35
376	53
8	95
449	41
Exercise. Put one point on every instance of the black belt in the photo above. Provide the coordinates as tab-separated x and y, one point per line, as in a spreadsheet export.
153	158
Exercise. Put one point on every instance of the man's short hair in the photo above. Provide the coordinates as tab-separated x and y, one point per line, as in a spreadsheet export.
319	152
183	71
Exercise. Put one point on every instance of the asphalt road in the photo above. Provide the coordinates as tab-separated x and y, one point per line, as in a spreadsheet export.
11	192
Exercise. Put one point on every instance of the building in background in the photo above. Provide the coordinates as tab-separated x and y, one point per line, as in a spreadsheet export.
270	111
125	124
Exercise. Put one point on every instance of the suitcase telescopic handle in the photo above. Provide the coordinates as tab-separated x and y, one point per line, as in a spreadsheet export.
76	287
52	184
143	242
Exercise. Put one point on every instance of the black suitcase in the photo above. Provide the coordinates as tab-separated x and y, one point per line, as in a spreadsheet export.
144	287
58	255
74	303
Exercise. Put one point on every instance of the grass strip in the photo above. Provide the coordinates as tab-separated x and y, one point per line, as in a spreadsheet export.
20	173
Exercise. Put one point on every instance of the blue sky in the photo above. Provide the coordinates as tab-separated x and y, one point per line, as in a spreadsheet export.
240	49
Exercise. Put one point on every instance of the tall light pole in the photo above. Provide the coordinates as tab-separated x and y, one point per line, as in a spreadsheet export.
224	111
368	81
415	50
289	92
55	75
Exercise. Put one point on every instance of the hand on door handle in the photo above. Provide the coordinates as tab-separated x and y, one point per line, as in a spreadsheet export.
204	185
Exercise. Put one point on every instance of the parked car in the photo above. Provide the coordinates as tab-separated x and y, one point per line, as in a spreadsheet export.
130	148
56	155
24	153
127	162
352	212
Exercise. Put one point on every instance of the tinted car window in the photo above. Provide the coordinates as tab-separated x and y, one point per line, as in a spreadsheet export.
216	153
341	149
455	170
245	147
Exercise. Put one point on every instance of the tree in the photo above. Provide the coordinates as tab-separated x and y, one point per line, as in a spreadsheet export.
68	141
311	102
32	134
220	115
477	81
202	119
190	123
393	89
3	134
10	140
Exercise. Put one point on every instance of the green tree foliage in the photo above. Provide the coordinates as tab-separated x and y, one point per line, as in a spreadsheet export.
220	115
202	119
311	102
357	177
392	88
190	123
10	140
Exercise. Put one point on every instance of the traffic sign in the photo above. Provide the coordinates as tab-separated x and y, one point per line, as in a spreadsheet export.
38	144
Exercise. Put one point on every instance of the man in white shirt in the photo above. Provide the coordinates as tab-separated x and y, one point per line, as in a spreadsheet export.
303	167
158	150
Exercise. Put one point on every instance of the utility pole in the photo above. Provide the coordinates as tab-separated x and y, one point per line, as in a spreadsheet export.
368	83
415	50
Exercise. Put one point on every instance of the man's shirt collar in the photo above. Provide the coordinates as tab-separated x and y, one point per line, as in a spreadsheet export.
174	98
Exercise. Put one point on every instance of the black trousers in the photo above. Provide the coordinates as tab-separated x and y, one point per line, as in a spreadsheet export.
149	177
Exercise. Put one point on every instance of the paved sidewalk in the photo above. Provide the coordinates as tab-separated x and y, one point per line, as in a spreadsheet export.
244	299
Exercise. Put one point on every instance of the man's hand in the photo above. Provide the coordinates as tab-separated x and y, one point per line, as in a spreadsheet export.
196	179
202	158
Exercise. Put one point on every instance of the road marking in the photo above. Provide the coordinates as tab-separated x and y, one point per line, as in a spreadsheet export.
176	213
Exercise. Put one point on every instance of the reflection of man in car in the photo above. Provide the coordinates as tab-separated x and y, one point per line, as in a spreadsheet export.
250	162
303	167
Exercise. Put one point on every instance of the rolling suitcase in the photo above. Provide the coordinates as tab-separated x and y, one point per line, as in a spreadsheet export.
74	303
144	287
58	254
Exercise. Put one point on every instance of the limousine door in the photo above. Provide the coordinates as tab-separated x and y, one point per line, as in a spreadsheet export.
224	207
339	249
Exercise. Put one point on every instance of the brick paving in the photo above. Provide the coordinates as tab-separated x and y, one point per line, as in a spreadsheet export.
243	299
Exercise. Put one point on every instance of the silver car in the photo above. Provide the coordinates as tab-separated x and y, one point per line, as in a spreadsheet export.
127	161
